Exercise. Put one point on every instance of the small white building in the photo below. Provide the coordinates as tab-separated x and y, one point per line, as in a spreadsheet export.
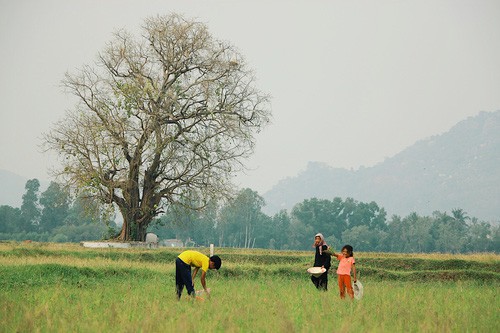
172	243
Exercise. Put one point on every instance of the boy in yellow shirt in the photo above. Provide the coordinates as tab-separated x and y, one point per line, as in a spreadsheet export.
183	264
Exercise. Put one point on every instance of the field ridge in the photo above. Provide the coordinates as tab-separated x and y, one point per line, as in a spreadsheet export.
50	264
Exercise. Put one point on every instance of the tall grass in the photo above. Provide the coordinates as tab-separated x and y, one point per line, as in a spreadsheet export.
71	289
240	305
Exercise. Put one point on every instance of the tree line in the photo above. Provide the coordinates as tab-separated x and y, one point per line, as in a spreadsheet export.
241	223
57	216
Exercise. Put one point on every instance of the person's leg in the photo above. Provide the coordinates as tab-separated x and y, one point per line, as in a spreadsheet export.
187	280
341	286
179	282
348	285
323	281
184	278
315	281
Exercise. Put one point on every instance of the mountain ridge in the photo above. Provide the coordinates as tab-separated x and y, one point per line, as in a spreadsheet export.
11	189
459	168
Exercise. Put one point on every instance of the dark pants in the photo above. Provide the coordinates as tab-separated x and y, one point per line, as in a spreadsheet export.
321	282
183	278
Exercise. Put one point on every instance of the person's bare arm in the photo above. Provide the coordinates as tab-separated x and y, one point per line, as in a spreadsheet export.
354	272
195	271
204	283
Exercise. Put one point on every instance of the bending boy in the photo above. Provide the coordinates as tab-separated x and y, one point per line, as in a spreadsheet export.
183	264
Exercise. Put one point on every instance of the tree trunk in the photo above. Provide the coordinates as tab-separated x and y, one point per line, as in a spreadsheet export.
221	239
246	237
141	232
126	232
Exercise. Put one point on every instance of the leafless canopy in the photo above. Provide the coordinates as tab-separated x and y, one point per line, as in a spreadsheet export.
162	116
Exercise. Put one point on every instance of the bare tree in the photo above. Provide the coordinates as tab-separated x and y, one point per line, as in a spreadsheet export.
160	117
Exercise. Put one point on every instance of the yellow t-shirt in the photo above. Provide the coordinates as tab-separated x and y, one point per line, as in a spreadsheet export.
195	259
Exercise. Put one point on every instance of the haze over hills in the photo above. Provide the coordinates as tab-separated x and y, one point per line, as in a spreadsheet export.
12	188
457	169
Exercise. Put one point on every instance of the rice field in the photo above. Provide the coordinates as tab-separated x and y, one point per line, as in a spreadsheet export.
67	288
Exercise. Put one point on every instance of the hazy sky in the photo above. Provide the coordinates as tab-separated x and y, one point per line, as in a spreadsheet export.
352	82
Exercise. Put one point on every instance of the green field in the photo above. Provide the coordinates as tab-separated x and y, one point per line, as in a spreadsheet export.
68	288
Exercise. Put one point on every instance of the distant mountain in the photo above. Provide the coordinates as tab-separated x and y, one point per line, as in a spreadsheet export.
458	169
11	189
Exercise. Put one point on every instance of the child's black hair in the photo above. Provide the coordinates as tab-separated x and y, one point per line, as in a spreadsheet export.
349	249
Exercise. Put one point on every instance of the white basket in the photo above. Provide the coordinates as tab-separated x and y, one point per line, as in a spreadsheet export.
357	287
316	271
